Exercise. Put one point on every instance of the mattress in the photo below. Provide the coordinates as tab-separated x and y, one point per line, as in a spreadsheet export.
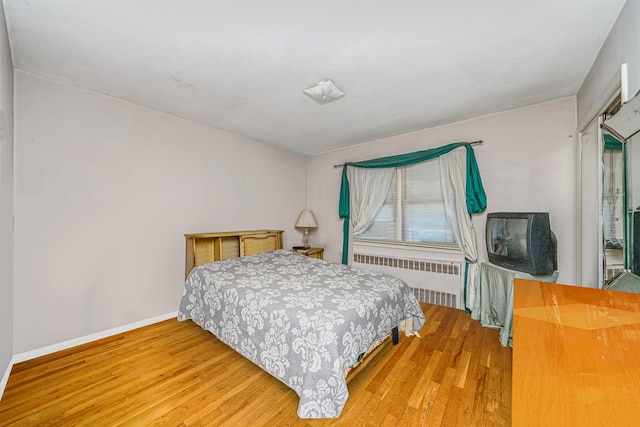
303	320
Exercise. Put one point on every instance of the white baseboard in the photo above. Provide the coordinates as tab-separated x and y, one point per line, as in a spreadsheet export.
32	354
5	377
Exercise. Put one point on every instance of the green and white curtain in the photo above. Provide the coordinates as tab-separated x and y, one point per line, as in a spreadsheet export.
362	194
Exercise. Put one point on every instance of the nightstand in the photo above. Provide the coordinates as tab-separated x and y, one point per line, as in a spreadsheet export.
312	253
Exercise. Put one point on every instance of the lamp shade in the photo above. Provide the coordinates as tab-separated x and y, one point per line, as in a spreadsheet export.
306	220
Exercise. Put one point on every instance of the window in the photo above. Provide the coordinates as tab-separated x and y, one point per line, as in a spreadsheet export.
414	209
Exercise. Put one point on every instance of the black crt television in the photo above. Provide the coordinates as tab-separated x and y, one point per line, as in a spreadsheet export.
522	241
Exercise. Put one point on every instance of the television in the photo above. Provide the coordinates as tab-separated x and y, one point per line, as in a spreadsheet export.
522	241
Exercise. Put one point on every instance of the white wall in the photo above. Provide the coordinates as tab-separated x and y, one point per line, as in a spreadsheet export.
621	46
527	162
104	193
6	201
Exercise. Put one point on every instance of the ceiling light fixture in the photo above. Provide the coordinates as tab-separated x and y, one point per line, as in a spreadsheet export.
324	92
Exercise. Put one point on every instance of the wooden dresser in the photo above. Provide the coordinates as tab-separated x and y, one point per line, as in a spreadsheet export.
202	248
576	354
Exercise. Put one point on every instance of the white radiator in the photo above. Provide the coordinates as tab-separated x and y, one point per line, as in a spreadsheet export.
434	281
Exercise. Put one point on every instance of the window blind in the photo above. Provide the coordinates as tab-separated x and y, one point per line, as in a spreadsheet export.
414	209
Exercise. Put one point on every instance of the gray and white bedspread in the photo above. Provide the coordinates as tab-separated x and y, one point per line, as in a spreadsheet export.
301	319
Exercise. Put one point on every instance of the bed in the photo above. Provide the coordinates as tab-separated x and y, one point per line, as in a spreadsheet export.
303	320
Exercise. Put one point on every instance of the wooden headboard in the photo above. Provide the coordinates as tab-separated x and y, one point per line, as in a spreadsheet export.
202	248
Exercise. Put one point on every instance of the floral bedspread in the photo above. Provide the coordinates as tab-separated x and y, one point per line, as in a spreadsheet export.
301	319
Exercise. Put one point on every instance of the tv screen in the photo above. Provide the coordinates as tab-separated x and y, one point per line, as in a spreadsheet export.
521	241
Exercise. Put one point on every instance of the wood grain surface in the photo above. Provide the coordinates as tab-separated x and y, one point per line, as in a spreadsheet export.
576	356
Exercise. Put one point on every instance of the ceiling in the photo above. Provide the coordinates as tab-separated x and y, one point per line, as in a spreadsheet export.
242	66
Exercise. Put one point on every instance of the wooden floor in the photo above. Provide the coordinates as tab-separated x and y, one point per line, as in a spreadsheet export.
176	374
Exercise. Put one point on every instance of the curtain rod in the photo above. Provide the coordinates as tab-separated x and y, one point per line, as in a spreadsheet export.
466	143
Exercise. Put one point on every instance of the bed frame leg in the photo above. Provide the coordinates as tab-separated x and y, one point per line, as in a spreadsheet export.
394	335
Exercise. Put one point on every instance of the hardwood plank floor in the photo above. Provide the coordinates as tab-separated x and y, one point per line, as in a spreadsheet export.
177	374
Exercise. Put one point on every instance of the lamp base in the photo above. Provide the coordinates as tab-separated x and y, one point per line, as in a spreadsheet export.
305	238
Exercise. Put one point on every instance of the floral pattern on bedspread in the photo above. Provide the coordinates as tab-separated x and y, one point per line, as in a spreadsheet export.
301	319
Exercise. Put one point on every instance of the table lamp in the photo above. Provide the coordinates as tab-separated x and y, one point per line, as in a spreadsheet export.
306	220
